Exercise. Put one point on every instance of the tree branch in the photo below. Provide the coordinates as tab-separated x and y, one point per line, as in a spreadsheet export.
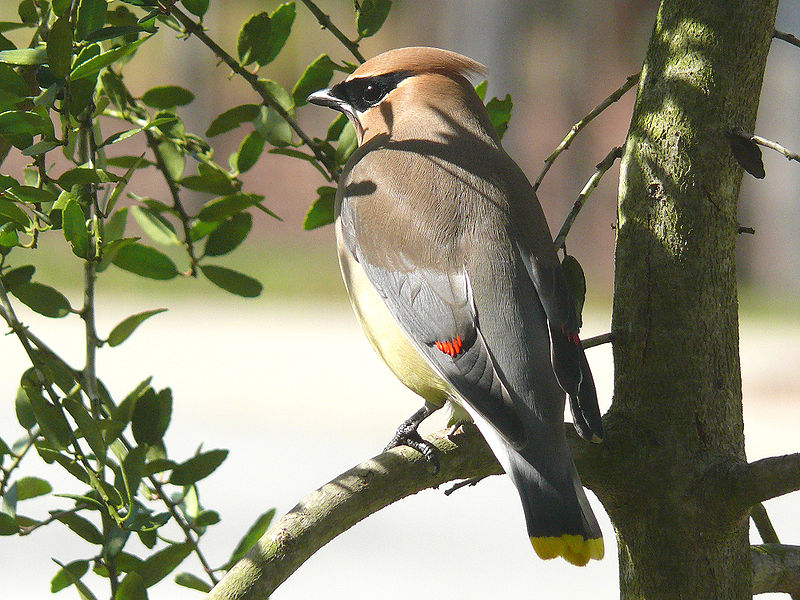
346	500
196	30
764	479
763	524
603	166
786	37
629	83
776	568
326	23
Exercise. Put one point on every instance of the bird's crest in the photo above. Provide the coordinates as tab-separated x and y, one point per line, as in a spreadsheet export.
419	59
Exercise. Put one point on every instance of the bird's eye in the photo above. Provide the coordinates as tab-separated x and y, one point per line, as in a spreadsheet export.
372	93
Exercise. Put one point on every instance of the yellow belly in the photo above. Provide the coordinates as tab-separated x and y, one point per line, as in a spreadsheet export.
388	339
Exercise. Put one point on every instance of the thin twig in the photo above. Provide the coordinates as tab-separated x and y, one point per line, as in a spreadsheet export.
749	230
598	340
786	37
7	471
603	166
766	143
176	200
465	483
326	23
629	83
197	30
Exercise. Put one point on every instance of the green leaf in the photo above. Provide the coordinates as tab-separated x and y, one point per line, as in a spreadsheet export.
576	282
41	147
18	122
8	235
155	226
60	6
174	159
371	16
278	93
224	207
94	64
132	587
50	418
232	281
151	416
162	563
316	76
167	96
251	537
24	410
30	194
206	518
17	276
273	127
281	20
86	176
249	151
91	17
43	299
26	56
12	212
321	212
8	525
198	467
133	470
82	527
229	234
480	89
67	574
32	487
209	180
27	12
500	113
75	232
4	449
122	332
88	426
346	144
232	118
59	46
145	261
12	82
253	39
115	31
336	127
197	7
192	581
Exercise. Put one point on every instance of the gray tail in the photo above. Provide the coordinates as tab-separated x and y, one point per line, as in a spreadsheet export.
559	519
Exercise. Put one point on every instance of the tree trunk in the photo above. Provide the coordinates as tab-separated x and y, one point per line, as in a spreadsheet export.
676	420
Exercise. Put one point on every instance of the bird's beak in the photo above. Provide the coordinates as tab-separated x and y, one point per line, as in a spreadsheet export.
325	98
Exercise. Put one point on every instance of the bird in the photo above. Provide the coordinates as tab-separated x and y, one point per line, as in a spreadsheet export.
450	266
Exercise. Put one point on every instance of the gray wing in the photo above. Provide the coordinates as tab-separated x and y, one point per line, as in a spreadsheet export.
435	310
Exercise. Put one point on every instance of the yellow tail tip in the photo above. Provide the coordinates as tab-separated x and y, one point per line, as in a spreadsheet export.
574	548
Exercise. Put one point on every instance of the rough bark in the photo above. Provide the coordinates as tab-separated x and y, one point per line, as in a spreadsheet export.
677	412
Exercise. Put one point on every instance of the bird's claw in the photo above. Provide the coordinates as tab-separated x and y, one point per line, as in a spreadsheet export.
413	439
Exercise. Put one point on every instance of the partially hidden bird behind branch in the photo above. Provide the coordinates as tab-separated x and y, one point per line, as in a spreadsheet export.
451	270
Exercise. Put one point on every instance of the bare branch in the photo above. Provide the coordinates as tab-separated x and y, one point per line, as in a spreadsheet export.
764	479
629	83
786	37
326	23
776	568
762	522
603	166
346	500
598	340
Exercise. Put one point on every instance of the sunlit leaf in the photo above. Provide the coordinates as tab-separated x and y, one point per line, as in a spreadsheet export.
74	225
500	113
192	582
91	17
26	56
59	46
273	127
316	76
371	16
223	207
162	563
321	211
32	487
249	151
94	64
155	226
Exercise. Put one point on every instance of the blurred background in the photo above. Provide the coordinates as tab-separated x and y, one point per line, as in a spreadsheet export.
287	381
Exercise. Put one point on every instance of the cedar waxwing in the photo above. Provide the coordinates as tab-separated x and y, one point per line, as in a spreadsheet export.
451	270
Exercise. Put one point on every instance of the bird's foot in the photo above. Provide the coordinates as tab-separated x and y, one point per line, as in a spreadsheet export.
410	437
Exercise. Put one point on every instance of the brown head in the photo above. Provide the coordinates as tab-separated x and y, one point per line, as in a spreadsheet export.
407	93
